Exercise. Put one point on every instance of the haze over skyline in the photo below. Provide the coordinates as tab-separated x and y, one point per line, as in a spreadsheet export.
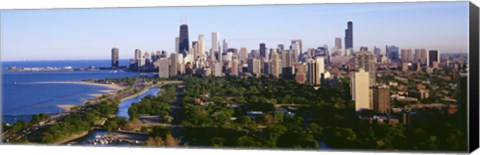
72	34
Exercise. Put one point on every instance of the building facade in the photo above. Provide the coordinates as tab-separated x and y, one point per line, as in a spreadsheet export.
433	56
115	64
349	36
360	90
183	40
381	100
366	60
163	71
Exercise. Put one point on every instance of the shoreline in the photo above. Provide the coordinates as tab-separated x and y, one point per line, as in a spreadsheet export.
135	95
67	107
110	86
71	138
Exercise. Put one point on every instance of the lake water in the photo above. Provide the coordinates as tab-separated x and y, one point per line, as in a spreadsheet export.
19	102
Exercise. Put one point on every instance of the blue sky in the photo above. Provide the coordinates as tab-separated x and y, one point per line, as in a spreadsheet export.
67	34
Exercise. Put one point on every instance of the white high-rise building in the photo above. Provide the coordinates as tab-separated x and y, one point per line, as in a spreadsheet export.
321	62
201	45
215	38
225	46
276	66
360	89
296	47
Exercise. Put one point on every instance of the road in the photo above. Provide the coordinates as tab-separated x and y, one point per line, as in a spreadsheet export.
176	111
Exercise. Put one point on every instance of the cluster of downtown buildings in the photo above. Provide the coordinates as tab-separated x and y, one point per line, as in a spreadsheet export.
319	66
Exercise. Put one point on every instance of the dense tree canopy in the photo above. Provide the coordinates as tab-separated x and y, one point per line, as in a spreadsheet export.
323	115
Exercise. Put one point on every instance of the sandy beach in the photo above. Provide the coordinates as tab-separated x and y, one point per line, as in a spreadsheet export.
110	86
66	107
113	88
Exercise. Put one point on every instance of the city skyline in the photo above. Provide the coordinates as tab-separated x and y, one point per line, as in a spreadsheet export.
75	41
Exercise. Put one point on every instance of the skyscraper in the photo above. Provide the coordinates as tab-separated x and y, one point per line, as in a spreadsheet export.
338	43
281	47
366	60
363	49
234	70
215	38
287	64
243	55
115	58
263	50
225	46
433	56
407	55
297	49
266	67
146	58
184	43
177	44
377	51
421	55
338	46
276	66
381	99
392	53
321	63
173	64
315	69
312	77
360	90
349	36
195	50
163	71
138	58
201	45
300	44
254	66
287	60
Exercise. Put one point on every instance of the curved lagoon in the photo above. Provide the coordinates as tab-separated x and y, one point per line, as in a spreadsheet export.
123	106
122	112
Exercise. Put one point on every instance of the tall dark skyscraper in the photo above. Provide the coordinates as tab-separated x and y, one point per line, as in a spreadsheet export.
183	41
114	58
263	50
349	36
433	55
